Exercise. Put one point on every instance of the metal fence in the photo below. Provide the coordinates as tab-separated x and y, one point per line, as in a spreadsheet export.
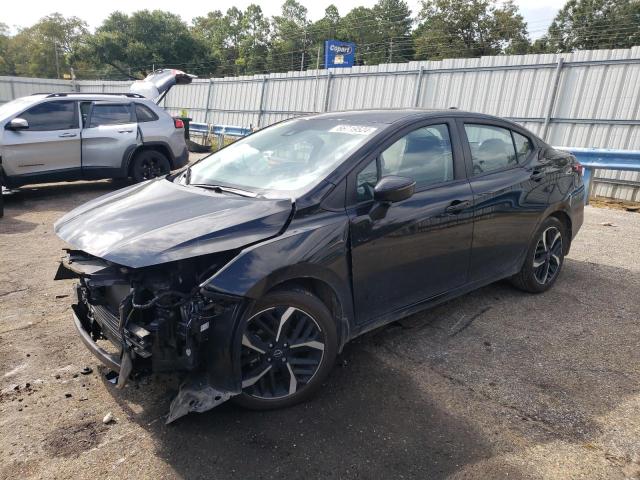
585	99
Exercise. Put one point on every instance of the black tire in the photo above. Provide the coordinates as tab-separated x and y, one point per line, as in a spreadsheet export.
544	259
304	364
148	164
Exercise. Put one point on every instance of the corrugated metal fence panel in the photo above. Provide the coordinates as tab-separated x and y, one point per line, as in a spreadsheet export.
597	102
15	87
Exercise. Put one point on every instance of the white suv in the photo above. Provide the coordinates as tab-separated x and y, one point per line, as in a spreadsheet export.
80	136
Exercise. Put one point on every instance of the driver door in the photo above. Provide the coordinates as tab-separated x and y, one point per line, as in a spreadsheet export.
49	146
419	248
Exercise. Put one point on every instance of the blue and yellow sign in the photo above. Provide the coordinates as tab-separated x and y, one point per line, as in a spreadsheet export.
339	54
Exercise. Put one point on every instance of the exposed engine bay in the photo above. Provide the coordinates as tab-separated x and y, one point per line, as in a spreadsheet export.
157	320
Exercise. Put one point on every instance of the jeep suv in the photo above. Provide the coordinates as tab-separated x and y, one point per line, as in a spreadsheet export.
69	136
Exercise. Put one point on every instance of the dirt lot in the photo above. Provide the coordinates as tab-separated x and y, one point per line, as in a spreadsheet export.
497	384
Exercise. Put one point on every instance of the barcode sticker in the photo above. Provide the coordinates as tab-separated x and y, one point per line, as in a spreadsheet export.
353	129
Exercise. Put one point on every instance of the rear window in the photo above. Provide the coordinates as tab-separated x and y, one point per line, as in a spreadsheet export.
491	147
145	114
523	146
110	115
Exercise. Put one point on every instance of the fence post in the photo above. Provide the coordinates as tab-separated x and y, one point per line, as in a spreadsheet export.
327	92
206	110
13	89
416	98
552	98
261	106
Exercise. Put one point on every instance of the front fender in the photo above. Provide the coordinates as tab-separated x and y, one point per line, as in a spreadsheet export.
314	247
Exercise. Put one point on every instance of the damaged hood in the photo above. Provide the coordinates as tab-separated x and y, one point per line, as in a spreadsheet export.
158	221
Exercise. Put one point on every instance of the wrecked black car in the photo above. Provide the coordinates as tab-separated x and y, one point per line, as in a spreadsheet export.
248	271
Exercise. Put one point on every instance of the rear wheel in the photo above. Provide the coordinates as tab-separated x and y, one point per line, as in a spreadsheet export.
289	345
545	258
149	164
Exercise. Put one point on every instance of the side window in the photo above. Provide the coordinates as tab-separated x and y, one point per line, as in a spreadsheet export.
424	155
523	146
104	114
491	148
55	115
145	114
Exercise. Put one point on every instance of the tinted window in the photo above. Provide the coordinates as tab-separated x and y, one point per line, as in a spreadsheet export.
491	148
145	114
423	155
110	115
58	115
523	146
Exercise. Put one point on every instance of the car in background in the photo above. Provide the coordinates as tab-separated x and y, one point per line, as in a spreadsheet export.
274	252
84	136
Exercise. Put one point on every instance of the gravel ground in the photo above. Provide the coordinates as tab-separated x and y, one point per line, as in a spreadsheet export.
496	384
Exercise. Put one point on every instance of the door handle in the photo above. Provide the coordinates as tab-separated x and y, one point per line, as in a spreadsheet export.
68	135
537	175
457	206
125	131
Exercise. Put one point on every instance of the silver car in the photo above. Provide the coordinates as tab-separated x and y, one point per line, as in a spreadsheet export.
79	136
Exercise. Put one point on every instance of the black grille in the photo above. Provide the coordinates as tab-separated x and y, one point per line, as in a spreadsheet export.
108	322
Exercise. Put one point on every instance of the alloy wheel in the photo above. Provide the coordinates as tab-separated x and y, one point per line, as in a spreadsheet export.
548	256
151	168
282	350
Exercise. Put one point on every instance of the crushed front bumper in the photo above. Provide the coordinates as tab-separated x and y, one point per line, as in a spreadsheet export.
108	359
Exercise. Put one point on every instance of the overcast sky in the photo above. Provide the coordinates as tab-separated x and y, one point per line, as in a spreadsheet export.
538	13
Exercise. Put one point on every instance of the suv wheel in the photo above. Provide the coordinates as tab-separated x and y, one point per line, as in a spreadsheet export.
544	258
289	345
148	164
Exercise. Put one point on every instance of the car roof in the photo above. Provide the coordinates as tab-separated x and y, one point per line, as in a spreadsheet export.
393	115
106	97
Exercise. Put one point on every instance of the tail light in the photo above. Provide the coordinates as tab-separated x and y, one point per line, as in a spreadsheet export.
578	168
178	123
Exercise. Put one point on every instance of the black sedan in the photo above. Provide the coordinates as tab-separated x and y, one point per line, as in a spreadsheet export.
250	270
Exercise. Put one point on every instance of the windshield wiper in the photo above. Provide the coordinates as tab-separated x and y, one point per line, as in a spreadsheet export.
225	189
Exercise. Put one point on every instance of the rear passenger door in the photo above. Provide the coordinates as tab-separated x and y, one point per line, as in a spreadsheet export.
509	196
110	133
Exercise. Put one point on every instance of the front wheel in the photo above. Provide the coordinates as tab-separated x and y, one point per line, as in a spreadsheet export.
545	258
149	164
289	345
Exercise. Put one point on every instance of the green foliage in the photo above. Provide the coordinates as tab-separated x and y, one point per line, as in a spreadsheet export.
243	42
132	45
593	24
44	49
451	29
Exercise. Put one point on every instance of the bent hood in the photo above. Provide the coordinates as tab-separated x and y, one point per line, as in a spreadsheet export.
159	221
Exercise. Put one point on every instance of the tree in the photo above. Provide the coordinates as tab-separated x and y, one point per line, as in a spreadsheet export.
327	28
47	48
393	28
359	26
593	24
6	62
254	45
451	29
132	45
290	41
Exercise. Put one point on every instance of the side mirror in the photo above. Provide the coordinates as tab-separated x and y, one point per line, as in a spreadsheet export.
391	189
17	124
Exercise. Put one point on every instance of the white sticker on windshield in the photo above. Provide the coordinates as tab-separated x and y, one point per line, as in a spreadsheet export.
353	129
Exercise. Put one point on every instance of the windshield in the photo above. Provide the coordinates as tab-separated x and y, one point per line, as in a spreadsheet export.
15	106
284	160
